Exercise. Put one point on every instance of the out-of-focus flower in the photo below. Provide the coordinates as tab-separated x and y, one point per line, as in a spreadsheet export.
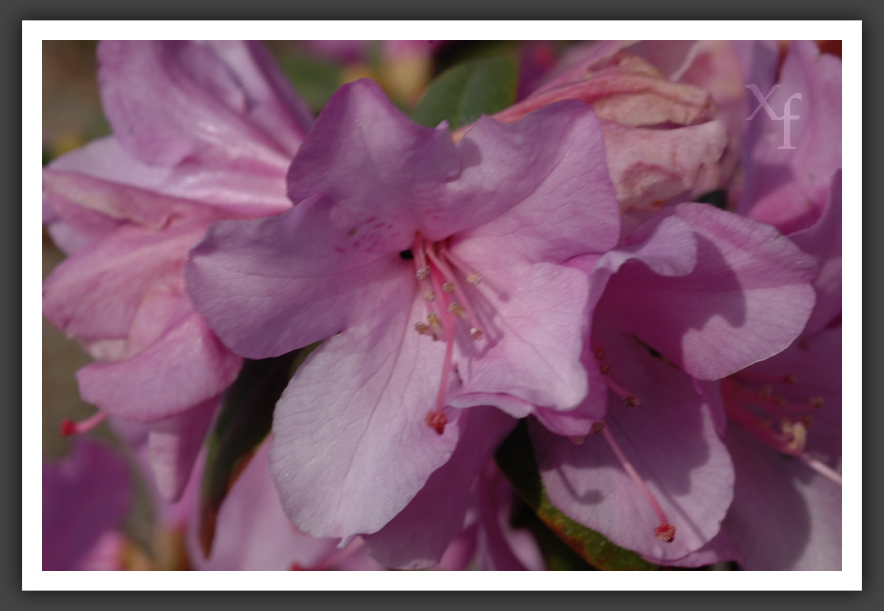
402	67
789	162
86	496
202	131
399	238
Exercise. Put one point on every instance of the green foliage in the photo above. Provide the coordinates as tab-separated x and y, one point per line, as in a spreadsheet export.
516	459
464	93
241	426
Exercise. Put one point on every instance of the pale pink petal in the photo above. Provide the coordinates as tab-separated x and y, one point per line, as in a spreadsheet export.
173	445
417	537
350	450
185	366
784	515
747	298
270	286
76	294
670	440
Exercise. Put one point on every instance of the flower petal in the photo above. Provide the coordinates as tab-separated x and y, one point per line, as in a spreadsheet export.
419	535
351	446
84	495
173	445
175	101
784	515
670	440
75	295
184	367
747	298
788	184
269	286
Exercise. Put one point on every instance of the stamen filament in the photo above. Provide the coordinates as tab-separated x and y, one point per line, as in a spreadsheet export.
665	531
70	427
821	468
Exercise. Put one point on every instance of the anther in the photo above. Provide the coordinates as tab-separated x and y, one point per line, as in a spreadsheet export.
422	328
474	279
456	309
597	427
435	324
630	401
476	334
576	440
423	273
765	391
437	421
69	427
448	287
665	532
790	379
816	402
430	296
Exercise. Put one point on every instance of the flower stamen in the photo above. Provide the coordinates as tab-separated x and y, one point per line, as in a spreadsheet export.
665	530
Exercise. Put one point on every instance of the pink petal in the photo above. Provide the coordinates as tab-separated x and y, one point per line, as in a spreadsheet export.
747	298
420	533
184	367
75	295
784	515
173	446
272	285
670	440
352	449
787	183
85	495
171	101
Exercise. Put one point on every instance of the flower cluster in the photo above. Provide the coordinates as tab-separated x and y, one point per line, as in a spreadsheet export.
615	275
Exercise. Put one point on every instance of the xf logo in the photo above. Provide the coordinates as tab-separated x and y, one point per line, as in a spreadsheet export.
771	113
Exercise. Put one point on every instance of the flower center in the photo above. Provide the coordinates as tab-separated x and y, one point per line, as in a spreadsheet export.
441	276
772	419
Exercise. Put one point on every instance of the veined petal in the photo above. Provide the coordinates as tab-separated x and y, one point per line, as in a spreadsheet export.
419	535
351	445
747	298
823	241
75	295
171	102
784	515
669	438
184	367
272	285
542	191
102	176
393	167
534	334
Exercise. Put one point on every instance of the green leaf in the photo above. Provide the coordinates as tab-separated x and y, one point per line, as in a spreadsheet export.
240	428
516	459
464	93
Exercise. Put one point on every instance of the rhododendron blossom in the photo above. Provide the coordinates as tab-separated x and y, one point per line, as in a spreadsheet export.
435	273
202	131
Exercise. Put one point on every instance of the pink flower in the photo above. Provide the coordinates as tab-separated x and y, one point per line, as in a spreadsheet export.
202	131
86	496
694	294
399	238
